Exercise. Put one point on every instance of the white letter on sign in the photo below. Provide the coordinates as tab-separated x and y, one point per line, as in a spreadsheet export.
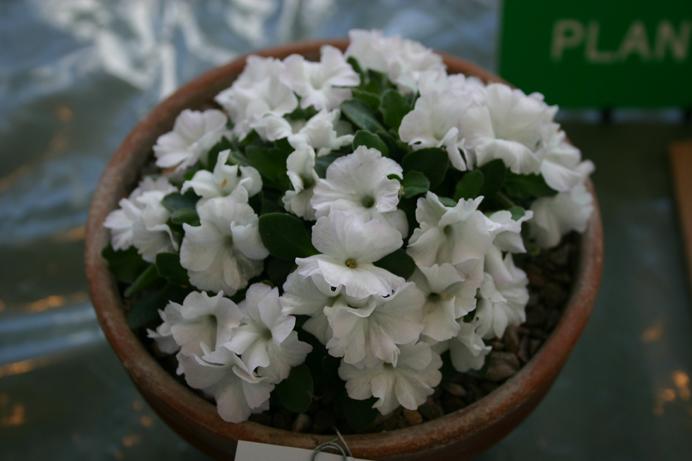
636	42
593	54
567	33
665	38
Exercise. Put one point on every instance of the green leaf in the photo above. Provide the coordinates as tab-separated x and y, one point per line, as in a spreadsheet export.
415	183
168	267
361	115
375	82
271	164
125	265
356	65
517	212
176	201
285	236
185	216
295	392
238	158
302	113
394	107
278	270
322	163
369	139
529	186
359	414
372	100
270	202
324	367
432	162
147	278
448	202
494	175
398	262
213	155
470	185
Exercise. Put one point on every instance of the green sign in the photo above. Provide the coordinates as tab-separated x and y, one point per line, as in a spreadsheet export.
599	53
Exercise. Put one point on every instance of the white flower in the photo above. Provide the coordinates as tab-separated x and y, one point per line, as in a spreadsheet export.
435	120
359	182
350	245
260	91
561	164
265	340
510	126
194	133
224	179
200	321
225	250
555	216
376	327
503	296
468	350
408	384
509	237
449	295
300	168
324	132
238	391
450	235
309	296
321	85
403	61
370	48
141	220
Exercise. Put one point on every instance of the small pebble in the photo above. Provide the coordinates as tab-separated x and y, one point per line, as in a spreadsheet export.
554	295
431	410
457	390
511	339
302	423
412	417
452	403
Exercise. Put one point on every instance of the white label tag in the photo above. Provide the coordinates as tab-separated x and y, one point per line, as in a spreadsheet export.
252	451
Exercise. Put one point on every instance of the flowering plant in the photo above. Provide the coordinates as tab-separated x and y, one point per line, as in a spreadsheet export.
347	223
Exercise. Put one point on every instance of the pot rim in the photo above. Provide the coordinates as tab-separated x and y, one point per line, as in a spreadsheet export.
149	376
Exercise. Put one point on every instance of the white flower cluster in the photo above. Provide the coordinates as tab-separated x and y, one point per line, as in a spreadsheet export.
389	331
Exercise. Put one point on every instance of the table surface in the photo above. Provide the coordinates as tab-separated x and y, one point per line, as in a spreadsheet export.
79	74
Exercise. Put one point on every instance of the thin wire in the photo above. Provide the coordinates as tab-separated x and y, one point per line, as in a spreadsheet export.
339	444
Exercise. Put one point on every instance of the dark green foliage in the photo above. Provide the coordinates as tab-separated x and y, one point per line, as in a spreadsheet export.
295	392
361	115
146	279
394	107
125	265
285	236
415	183
398	262
432	162
369	139
144	310
270	161
470	185
527	187
168	267
359	414
278	270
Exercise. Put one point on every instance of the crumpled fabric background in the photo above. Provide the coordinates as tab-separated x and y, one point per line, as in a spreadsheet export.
77	75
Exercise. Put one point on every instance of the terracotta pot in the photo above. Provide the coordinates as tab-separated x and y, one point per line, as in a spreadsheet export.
455	436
